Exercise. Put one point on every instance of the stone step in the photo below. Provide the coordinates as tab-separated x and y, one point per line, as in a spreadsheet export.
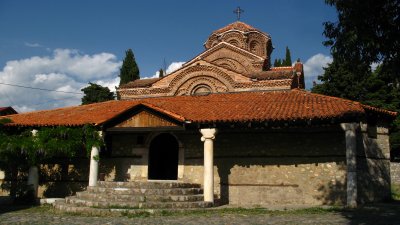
139	197
136	205
144	191
62	206
147	184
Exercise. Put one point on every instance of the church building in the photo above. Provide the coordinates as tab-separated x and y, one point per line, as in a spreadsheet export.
247	133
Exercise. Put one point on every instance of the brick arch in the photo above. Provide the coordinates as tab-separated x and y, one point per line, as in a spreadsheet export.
232	64
255	38
212	41
235	38
193	83
200	71
255	47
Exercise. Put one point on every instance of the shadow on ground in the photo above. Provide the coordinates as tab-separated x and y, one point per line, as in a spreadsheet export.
7	205
377	213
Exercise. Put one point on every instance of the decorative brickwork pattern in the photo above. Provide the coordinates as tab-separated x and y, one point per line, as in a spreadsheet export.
232	62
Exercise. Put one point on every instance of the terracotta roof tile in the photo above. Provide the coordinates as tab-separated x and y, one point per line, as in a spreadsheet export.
7	110
285	68
238	25
294	105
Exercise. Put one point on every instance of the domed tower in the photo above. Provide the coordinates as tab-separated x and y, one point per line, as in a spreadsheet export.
245	37
236	59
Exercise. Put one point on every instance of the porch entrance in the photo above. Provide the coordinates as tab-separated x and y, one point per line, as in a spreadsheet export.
163	158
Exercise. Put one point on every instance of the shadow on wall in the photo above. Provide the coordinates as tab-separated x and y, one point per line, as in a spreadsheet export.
298	188
63	178
14	183
333	193
294	166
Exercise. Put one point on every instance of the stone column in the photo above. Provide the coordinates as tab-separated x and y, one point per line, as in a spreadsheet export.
208	138
94	167
351	162
33	174
33	179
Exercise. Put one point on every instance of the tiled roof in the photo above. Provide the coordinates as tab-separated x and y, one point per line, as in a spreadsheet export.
72	116
282	68
236	26
272	74
140	83
7	110
293	105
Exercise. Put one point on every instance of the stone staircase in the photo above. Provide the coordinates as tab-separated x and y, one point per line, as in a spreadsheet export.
135	197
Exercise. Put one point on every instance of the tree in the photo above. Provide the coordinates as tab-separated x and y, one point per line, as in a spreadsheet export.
287	61
129	70
96	93
161	73
277	63
366	32
288	58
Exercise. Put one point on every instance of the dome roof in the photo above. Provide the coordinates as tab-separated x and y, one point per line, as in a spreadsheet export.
238	25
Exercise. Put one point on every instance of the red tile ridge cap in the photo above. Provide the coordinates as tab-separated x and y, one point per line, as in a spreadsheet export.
282	68
385	111
239	26
164	111
134	104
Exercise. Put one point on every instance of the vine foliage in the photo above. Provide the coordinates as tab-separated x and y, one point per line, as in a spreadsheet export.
23	146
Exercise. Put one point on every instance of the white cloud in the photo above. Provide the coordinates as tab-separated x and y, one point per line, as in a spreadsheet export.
110	83
65	70
171	68
313	67
33	45
174	66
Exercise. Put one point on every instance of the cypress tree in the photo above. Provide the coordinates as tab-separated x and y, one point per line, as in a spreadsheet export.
161	73
275	63
288	58
129	70
279	62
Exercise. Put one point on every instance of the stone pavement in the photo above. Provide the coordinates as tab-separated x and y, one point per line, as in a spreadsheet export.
377	214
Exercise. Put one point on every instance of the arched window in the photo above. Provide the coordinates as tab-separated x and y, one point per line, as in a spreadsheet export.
254	47
234	42
201	89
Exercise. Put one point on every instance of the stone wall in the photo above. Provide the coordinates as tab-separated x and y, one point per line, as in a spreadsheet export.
58	178
373	163
252	167
276	167
395	172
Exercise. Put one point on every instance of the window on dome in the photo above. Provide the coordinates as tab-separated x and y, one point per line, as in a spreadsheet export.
234	42
254	47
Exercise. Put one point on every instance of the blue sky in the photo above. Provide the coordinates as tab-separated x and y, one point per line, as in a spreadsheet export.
63	45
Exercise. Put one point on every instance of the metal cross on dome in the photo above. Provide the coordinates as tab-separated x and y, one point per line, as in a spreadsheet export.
238	11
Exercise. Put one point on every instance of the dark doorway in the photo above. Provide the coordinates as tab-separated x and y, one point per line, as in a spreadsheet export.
163	158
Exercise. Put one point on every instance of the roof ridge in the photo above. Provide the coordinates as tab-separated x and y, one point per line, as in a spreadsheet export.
219	46
161	110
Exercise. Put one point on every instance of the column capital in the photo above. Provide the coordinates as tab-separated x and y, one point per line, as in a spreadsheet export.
34	132
349	126
208	133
